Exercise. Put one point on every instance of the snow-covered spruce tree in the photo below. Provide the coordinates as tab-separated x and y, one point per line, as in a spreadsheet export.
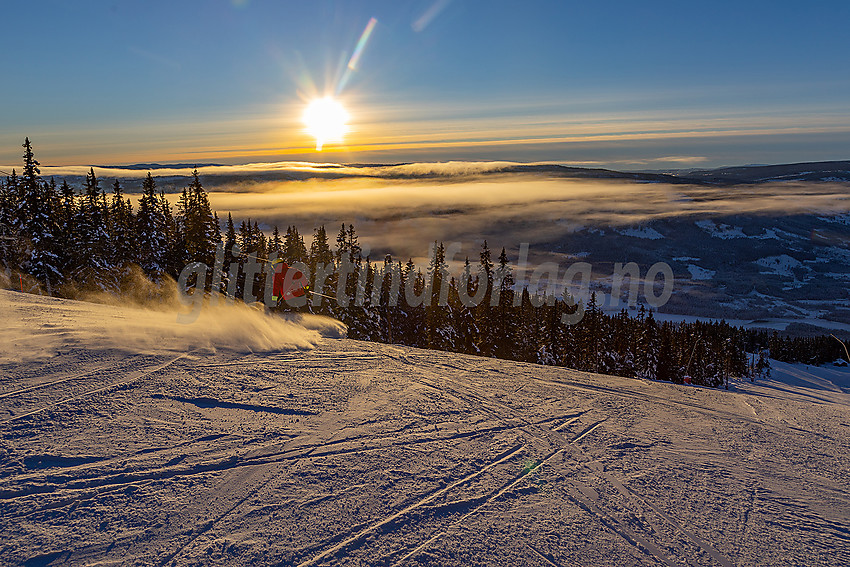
763	365
526	333
388	304
174	256
438	333
344	308
591	335
35	223
484	312
368	315
647	347
553	341
466	327
122	231
275	243
250	246
53	250
151	231
321	256
347	244
14	241
198	223
294	249
91	267
6	234
320	251
342	247
618	352
229	238
668	367
409	329
504	321
66	217
262	248
247	243
29	198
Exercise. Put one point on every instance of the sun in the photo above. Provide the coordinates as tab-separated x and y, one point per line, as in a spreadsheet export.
326	121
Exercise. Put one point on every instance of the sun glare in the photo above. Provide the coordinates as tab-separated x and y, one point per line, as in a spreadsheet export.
326	121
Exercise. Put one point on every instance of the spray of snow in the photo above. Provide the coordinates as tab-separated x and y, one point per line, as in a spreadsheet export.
37	327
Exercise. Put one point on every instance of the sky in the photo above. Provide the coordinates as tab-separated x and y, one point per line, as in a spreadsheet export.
628	85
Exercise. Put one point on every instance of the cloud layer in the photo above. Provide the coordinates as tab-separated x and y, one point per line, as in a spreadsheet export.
402	208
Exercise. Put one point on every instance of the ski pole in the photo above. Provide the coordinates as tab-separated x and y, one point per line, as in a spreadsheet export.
321	294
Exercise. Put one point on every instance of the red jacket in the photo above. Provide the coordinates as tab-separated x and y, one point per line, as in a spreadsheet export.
288	282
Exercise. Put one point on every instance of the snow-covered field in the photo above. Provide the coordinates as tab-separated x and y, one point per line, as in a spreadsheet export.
127	439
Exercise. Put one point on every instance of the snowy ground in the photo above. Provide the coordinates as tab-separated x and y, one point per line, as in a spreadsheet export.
178	447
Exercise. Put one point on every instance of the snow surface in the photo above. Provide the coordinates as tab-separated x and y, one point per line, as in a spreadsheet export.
698	273
646	232
723	231
195	450
782	265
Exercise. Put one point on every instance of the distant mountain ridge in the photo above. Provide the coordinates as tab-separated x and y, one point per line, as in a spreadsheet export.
807	171
153	166
823	171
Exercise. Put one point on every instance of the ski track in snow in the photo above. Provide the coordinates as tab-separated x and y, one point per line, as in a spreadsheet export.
355	453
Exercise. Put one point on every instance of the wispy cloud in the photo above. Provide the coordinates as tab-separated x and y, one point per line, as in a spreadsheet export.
419	130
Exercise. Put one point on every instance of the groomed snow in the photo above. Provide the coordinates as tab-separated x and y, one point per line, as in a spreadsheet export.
338	452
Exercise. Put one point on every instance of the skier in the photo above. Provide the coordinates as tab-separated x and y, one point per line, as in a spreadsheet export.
288	283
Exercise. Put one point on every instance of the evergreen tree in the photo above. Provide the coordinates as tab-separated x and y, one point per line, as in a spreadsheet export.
151	231
200	226
261	247
341	244
275	244
34	224
320	251
526	336
647	346
11	244
484	314
294	249
122	233
66	216
91	261
438	330
229	239
353	247
174	254
504	321
6	238
466	328
10	204
246	237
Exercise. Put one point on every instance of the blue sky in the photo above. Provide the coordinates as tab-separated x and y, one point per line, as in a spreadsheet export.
650	84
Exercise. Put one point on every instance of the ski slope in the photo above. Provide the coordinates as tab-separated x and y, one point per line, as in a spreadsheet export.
129	440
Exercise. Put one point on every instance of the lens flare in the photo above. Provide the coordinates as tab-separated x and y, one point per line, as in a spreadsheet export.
326	120
361	44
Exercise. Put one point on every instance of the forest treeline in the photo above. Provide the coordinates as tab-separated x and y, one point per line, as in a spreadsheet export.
60	240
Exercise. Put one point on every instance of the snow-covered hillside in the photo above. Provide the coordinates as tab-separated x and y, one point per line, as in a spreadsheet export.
128	439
